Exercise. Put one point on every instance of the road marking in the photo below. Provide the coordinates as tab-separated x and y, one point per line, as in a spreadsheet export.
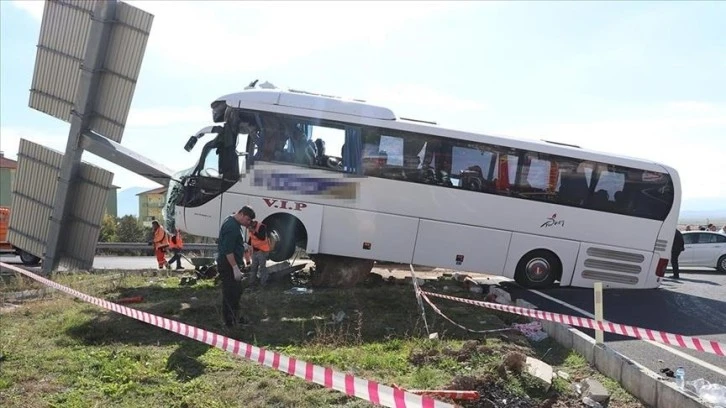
677	352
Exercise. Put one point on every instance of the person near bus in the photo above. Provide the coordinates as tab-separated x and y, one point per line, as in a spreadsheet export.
678	247
176	244
161	243
257	233
230	249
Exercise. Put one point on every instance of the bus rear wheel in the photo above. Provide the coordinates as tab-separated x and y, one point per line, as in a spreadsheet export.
339	271
537	269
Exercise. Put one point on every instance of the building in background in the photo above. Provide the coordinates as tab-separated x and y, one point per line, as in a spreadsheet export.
7	176
151	205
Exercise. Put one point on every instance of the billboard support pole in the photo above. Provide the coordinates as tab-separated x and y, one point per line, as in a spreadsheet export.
102	20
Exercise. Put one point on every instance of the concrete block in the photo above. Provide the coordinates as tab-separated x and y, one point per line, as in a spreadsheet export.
583	344
593	389
640	382
671	397
608	361
539	369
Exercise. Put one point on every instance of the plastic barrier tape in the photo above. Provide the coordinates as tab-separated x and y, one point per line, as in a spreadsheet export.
693	343
364	389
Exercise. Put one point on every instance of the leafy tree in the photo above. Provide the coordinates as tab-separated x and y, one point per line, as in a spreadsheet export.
128	230
109	226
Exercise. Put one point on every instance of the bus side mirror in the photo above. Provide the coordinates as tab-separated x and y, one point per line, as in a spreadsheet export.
191	143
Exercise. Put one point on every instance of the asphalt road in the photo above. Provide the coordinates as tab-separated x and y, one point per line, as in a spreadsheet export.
694	305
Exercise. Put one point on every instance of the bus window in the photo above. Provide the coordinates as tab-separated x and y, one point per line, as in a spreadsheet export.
647	194
610	182
574	184
470	167
393	147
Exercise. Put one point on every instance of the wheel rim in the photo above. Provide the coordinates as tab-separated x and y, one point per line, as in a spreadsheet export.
537	269
723	264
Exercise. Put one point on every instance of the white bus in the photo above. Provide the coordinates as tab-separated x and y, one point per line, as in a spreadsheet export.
350	183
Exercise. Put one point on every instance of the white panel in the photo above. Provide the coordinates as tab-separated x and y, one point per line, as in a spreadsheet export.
82	228
565	250
61	48
205	219
33	194
126	48
440	243
615	267
303	101
391	237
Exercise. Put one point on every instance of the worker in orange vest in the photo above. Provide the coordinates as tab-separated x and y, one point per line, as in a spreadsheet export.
161	243
260	244
176	245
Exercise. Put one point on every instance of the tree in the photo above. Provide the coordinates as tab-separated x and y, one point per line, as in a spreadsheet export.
109	226
128	230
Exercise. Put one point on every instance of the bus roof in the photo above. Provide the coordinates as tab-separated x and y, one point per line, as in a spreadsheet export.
301	103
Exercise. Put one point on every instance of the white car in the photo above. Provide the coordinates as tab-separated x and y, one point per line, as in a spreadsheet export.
704	249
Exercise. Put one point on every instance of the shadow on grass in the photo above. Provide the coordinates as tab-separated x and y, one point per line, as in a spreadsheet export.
183	361
278	319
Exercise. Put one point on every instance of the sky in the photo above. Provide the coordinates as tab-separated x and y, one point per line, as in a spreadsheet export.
641	79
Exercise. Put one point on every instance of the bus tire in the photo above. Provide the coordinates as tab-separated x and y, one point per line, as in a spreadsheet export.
721	265
28	259
287	232
538	269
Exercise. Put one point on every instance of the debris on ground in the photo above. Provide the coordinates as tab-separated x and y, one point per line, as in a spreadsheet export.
532	330
711	393
593	393
298	291
541	370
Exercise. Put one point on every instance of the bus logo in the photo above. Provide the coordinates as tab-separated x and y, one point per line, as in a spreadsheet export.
552	222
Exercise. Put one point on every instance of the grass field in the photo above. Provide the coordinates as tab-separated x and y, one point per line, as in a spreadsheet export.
57	351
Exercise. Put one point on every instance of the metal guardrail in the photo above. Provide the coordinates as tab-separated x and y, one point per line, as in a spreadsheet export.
145	245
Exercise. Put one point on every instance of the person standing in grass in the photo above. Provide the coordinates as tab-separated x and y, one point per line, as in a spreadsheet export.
230	249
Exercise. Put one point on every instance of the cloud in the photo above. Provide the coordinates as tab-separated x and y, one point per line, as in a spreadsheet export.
34	8
226	37
234	37
167	116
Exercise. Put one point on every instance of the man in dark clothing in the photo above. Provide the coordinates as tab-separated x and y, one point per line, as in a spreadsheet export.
230	248
676	250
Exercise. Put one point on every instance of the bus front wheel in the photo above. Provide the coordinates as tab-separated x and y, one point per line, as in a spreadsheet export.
537	269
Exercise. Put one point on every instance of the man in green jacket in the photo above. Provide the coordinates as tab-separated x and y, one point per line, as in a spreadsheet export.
230	249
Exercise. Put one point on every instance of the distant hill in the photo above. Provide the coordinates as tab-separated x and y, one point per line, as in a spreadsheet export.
128	202
702	209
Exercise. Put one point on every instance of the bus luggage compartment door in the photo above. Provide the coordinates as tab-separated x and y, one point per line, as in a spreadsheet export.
461	247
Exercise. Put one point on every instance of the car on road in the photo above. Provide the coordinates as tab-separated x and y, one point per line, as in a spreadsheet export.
704	249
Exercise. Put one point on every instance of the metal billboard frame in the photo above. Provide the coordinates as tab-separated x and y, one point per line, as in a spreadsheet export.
98	46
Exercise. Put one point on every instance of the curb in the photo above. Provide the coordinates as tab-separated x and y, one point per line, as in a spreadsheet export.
641	382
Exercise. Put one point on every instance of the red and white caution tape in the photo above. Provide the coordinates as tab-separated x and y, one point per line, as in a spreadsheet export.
364	389
693	343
